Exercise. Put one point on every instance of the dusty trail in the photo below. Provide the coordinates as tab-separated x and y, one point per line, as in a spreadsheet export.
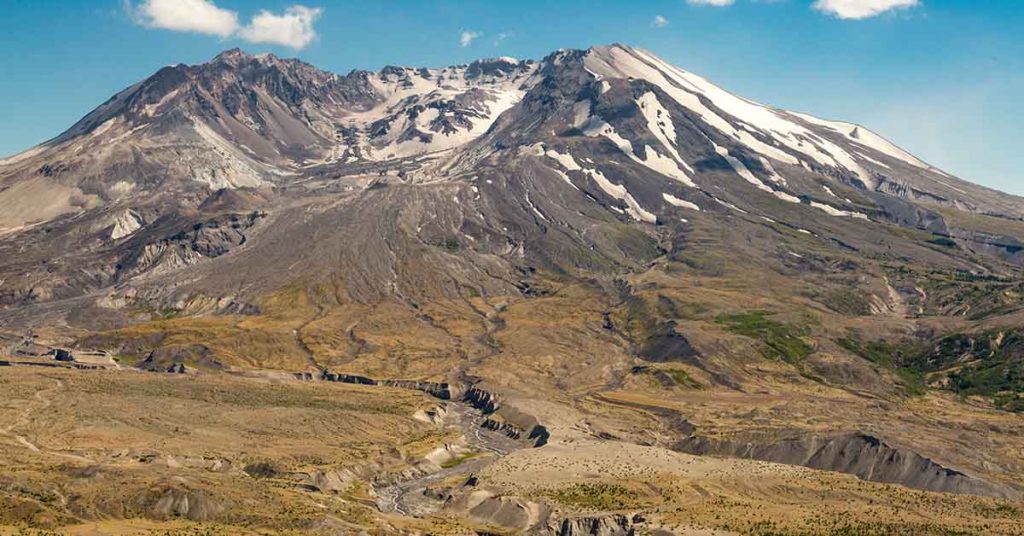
44	402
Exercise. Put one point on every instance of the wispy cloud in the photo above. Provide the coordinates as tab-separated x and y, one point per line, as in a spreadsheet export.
292	28
716	3
861	9
501	37
467	36
659	21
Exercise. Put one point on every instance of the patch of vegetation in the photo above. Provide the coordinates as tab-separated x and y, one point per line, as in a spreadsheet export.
879	352
978	296
168	313
989	364
891	356
683	379
598	496
458	460
780	341
701	263
1010	402
448	243
666	307
669	377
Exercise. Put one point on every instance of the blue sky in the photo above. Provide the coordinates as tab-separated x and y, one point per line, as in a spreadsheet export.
942	78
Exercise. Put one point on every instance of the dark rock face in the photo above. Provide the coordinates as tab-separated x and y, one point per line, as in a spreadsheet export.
481	400
506	428
436	389
665	344
60	354
864	456
200	240
261	470
506	419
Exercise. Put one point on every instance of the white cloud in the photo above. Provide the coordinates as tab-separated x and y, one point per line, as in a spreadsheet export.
199	16
716	3
861	9
659	21
293	28
467	37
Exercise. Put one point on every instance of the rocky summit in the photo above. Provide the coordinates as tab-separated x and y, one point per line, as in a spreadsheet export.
592	293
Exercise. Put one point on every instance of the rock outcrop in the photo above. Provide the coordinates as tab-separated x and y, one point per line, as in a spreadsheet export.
175	499
862	455
436	389
506	419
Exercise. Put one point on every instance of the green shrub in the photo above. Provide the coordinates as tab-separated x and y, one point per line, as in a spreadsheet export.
779	340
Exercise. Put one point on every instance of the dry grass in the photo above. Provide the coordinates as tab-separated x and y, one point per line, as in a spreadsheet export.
748	497
118	444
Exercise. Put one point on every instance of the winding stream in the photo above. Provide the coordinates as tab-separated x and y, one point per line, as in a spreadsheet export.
410	497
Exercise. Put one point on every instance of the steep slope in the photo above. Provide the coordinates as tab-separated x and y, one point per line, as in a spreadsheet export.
597	248
585	162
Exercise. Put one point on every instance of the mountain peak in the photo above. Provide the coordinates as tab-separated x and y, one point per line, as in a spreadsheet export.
237	57
232	55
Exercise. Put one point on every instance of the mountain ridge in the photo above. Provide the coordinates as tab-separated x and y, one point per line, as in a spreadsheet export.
608	136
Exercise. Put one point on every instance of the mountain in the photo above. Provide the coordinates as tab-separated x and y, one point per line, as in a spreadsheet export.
608	136
596	246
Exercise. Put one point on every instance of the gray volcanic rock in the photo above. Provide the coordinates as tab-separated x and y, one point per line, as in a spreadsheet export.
225	181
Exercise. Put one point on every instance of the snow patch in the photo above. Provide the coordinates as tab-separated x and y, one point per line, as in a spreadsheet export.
534	207
772	174
675	201
730	205
789	198
833	211
654	161
566	161
873	161
687	89
659	122
862	136
619	192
